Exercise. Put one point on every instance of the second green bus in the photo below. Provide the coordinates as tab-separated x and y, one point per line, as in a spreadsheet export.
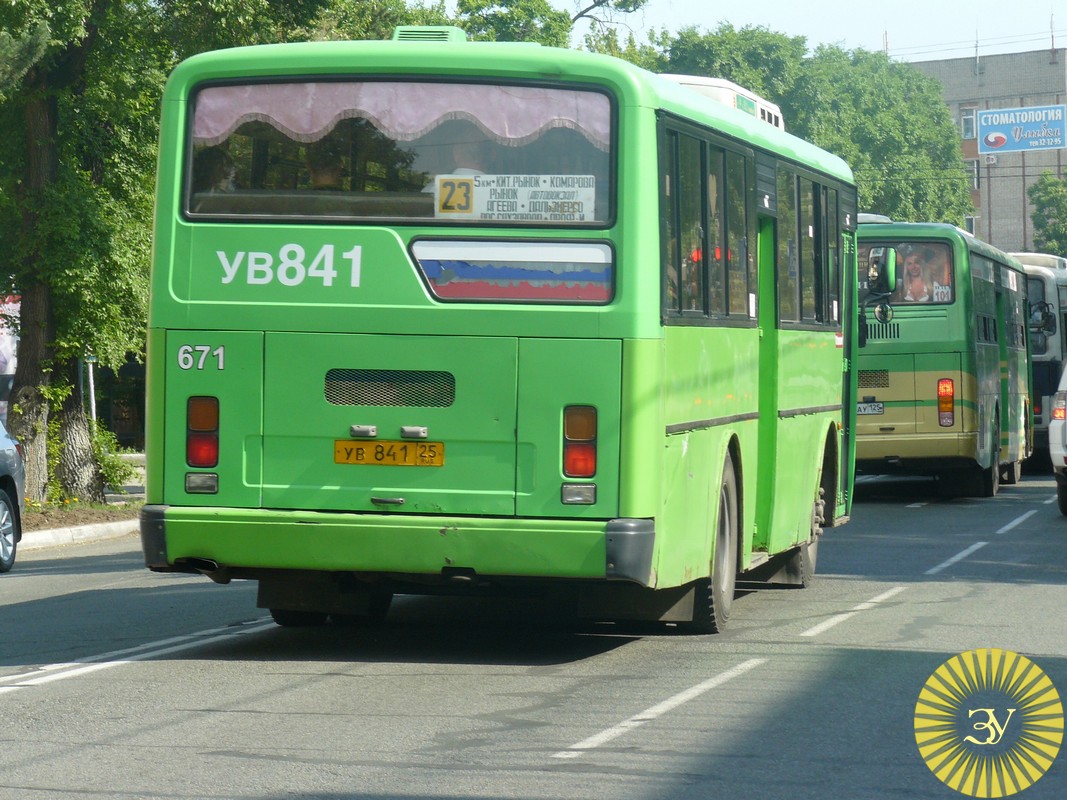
944	376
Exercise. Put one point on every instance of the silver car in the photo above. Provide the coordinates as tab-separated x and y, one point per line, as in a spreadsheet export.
12	488
1057	448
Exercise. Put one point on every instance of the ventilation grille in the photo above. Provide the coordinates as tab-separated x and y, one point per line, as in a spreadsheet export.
429	33
874	379
883	330
390	387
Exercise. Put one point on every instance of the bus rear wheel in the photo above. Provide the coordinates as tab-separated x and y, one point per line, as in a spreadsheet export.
714	595
987	480
1011	474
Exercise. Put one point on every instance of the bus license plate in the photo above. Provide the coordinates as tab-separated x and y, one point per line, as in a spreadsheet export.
870	408
389	453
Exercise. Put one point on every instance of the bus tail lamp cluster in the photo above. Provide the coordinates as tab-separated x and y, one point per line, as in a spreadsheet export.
202	444
579	454
946	401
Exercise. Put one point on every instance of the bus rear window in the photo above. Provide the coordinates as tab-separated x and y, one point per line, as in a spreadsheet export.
425	152
519	272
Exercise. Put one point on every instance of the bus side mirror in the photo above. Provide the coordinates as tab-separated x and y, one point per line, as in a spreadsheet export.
891	270
881	282
882	270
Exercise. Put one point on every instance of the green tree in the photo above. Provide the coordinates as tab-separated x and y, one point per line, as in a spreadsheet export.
886	119
1049	198
763	61
370	19
651	56
18	54
889	122
515	21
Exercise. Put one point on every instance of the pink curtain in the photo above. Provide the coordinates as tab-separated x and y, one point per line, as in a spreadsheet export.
404	111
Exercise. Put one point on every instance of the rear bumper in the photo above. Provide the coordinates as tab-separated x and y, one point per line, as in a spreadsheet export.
916	448
244	542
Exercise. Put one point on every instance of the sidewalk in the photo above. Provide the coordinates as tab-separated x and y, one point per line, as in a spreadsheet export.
35	540
54	537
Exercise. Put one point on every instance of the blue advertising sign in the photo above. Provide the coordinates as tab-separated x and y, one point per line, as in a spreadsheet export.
1013	130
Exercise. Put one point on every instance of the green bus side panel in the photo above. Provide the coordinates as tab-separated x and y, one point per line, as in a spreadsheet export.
416	544
227	365
319	386
711	395
553	374
810	378
642	457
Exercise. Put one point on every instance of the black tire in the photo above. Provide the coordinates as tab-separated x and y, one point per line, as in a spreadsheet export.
1061	497
288	618
714	595
1011	474
800	566
9	532
987	481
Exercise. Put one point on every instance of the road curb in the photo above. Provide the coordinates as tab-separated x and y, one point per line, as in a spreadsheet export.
35	540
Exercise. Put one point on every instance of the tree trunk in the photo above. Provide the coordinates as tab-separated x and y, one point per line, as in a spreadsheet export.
77	472
28	408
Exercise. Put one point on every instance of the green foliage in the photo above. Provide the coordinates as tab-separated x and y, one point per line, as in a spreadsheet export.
53	492
515	21
370	19
19	53
116	471
889	122
651	56
193	26
763	61
1049	197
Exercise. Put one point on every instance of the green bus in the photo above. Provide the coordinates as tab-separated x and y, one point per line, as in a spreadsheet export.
430	315
944	381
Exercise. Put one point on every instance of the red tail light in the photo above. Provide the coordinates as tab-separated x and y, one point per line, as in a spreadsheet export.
946	400
1059	406
579	441
202	432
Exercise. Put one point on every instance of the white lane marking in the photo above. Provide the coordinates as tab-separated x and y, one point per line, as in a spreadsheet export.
83	666
955	558
657	710
916	505
1019	520
1051	500
869	604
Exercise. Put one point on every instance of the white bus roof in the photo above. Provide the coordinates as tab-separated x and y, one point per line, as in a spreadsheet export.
729	93
1041	260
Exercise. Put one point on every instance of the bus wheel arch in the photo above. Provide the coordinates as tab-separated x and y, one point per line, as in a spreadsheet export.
713	596
799	567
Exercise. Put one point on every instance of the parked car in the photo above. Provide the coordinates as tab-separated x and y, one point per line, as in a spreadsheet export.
12	492
1057	446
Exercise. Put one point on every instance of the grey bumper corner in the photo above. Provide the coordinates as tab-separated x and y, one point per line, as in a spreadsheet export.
154	537
628	549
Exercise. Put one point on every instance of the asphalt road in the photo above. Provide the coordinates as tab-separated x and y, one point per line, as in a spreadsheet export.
119	683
